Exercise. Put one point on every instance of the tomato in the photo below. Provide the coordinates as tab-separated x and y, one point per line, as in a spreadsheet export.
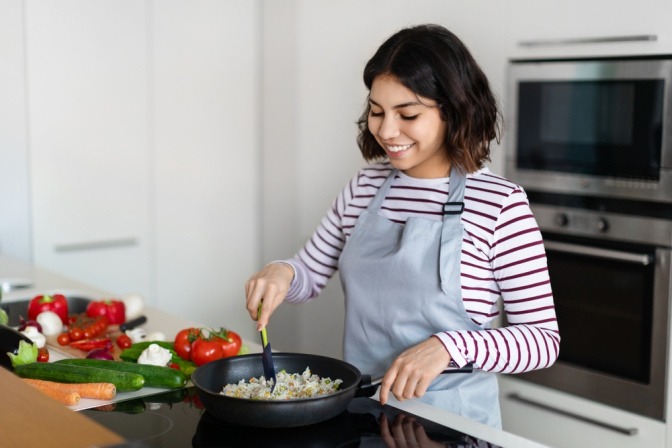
183	341
63	339
175	366
76	333
42	355
231	343
206	350
123	341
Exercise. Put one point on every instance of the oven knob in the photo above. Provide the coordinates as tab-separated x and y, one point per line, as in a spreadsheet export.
561	220
602	225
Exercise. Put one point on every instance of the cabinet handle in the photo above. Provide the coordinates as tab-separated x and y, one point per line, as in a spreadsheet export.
93	245
587	40
618	429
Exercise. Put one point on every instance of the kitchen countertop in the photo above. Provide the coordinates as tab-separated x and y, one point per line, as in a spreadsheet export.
32	281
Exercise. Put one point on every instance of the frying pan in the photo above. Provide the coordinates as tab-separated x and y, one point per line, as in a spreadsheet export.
209	380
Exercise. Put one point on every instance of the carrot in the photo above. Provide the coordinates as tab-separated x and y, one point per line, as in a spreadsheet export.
99	391
57	391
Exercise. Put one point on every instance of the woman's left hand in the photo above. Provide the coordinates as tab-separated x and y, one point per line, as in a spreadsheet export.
411	373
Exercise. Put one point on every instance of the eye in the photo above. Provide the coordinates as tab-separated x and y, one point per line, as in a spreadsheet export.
375	114
409	117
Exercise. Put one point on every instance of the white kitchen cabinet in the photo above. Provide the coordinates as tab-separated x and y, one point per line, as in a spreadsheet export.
556	425
564	29
144	149
206	102
87	124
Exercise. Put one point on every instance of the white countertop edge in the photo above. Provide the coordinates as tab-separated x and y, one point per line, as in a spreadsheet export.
461	424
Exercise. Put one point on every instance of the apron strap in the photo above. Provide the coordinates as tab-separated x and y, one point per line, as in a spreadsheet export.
451	232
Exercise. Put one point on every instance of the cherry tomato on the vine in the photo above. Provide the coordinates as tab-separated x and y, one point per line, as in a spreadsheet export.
63	339
76	333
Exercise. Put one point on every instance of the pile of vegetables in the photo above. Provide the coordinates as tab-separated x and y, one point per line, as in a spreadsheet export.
145	360
192	347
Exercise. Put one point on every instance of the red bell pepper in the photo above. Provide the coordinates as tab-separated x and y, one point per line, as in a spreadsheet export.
115	310
90	344
56	303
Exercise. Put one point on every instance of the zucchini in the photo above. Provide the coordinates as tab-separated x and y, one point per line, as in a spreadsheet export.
155	376
63	373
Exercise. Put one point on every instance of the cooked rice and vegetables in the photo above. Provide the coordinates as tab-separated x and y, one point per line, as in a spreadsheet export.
289	386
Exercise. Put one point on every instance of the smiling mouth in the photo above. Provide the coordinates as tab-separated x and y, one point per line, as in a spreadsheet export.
398	148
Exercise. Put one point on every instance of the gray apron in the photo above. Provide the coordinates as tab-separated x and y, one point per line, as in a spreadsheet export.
402	285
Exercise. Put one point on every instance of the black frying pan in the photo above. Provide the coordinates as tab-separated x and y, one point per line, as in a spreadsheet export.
209	380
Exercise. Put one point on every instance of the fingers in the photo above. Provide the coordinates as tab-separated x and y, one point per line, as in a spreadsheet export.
412	372
269	288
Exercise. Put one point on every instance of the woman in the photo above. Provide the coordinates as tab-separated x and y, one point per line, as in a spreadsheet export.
427	240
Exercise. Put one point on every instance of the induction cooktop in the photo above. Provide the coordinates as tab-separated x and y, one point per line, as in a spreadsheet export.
177	419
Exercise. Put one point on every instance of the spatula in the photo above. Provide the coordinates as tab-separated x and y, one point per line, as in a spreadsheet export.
267	356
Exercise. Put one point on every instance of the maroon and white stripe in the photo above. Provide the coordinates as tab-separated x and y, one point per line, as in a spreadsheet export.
502	256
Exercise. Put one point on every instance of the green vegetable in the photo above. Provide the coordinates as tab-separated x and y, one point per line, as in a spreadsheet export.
64	373
132	354
27	354
4	318
155	376
244	350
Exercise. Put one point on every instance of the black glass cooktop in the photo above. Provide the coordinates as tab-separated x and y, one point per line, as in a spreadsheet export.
178	419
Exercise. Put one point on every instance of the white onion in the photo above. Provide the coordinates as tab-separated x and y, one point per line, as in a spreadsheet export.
50	322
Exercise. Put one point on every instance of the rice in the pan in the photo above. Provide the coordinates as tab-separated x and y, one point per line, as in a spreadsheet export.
289	386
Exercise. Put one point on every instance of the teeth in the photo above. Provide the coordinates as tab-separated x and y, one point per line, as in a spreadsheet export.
398	148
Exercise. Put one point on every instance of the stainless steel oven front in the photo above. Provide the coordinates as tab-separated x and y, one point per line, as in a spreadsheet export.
609	262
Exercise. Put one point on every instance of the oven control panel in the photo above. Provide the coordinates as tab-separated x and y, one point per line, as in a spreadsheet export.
614	226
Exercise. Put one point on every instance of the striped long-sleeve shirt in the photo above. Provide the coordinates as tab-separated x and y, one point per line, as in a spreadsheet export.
502	257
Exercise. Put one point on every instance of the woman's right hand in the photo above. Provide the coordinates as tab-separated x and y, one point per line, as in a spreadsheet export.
268	287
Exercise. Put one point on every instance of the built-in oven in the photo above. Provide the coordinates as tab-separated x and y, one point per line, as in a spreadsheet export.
609	262
591	143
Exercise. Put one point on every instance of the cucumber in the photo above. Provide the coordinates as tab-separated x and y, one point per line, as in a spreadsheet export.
155	376
63	373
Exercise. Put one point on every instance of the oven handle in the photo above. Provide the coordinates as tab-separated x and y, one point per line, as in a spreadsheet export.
617	255
517	397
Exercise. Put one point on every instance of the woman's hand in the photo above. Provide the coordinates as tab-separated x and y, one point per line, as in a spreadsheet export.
411	373
271	285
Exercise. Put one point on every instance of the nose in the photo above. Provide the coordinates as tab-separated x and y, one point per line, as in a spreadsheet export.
388	128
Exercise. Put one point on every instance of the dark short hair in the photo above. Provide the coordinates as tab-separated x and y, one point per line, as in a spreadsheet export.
434	63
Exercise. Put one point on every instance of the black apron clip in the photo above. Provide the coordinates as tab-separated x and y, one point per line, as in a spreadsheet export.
453	208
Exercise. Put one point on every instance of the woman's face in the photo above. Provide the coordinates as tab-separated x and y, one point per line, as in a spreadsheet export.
409	128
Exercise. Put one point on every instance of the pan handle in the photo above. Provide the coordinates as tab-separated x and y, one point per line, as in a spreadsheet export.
368	386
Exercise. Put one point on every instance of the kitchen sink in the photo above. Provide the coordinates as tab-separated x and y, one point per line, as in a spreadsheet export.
16	309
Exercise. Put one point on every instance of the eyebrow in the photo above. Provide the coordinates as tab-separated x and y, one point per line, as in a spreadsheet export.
399	106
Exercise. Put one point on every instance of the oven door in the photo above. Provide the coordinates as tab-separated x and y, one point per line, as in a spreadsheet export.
612	306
